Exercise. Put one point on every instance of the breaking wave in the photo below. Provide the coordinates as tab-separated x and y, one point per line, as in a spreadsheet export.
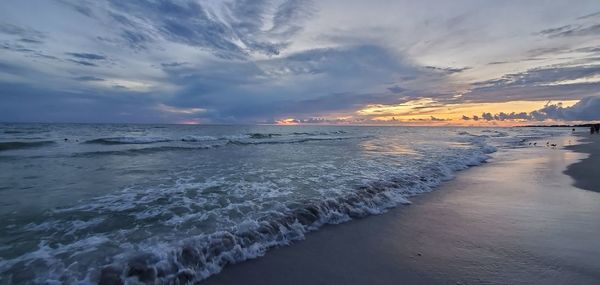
182	261
216	195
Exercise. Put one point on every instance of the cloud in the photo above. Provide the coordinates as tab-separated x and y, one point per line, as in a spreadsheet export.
172	64
543	76
30	41
82	62
513	116
587	109
232	30
170	109
88	78
497	62
87	56
396	89
487	116
81	6
70	106
543	83
259	61
15	30
304	84
449	70
572	31
592	15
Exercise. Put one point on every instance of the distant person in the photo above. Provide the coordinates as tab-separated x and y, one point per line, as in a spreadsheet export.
597	128
592	130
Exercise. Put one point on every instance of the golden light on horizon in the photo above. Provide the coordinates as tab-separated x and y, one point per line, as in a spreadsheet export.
287	122
427	111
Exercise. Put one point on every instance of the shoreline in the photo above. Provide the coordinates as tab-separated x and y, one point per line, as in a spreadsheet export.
586	172
476	229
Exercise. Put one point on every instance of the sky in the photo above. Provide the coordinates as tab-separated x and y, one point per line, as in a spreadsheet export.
300	62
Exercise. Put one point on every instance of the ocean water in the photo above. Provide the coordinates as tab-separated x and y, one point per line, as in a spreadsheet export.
172	204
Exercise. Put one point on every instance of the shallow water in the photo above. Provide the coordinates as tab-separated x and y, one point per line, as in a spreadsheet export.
174	203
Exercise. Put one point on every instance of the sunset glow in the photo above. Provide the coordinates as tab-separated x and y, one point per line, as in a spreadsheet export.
301	62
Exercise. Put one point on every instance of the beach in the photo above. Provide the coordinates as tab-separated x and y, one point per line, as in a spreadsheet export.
301	205
586	172
518	219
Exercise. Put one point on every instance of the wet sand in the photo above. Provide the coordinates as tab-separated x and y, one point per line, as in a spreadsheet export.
587	172
515	220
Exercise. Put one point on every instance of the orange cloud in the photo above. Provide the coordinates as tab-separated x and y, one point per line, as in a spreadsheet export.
429	112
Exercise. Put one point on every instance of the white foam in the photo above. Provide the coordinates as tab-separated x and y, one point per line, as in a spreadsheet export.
236	214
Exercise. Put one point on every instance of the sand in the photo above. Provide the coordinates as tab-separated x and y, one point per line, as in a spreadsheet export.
515	220
587	172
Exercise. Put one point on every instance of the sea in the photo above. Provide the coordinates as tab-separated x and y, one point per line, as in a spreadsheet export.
174	204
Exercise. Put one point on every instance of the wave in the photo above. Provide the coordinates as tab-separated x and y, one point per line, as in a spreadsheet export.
138	151
318	133
127	140
22	145
216	143
198	138
262	135
197	257
239	138
292	141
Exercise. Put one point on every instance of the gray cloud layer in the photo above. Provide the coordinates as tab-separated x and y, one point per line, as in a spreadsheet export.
261	60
